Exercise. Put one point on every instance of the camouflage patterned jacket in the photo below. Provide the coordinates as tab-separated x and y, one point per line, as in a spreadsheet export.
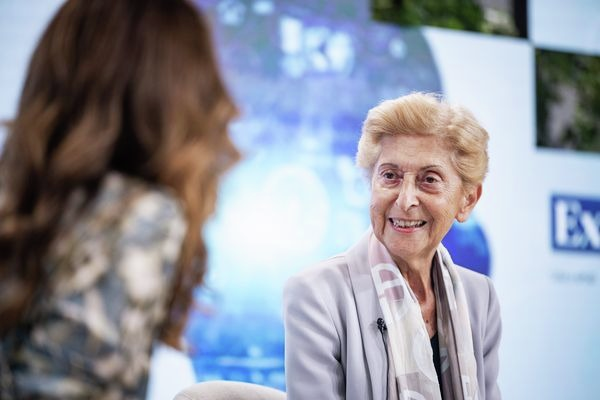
110	280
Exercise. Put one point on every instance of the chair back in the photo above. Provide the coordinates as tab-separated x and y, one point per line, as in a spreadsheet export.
229	390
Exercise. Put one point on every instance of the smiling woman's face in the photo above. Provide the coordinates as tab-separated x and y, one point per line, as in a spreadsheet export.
416	194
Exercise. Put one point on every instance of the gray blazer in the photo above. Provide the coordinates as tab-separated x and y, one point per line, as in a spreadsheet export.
333	349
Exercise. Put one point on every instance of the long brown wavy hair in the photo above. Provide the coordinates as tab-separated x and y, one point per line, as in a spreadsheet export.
113	85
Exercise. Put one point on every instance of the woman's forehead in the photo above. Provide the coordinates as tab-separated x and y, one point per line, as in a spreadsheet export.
415	150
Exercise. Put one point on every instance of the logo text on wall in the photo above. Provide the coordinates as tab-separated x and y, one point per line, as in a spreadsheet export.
575	223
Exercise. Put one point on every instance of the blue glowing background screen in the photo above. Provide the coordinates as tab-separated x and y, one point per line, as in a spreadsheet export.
304	80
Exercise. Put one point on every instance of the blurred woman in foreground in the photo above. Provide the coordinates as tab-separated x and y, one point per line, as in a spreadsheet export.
109	171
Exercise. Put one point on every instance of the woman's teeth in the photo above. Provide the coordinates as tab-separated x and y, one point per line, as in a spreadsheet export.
401	223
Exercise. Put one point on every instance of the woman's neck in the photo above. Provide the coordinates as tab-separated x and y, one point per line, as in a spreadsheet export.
417	274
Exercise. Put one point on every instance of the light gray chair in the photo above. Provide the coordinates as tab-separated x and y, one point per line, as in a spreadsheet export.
229	390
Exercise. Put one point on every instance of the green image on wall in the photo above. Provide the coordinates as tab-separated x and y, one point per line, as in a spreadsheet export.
502	17
568	100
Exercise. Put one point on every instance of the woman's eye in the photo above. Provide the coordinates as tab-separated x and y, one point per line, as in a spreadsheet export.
431	179
389	175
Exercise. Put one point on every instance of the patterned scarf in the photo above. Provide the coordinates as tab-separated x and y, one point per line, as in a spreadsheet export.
410	353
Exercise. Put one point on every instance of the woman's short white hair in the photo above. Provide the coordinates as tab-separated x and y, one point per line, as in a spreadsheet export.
427	114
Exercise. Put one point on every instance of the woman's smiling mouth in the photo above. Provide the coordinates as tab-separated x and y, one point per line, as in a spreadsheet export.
407	223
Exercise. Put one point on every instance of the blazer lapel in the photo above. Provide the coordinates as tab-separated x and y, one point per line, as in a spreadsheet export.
368	311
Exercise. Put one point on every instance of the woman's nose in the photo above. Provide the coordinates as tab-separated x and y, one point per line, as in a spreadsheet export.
407	195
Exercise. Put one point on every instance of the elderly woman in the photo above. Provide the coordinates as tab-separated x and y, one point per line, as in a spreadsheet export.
393	317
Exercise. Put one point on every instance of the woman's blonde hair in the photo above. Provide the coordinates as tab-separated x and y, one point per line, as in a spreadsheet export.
129	86
427	114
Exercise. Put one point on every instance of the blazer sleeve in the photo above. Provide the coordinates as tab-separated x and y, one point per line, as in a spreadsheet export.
493	332
312	344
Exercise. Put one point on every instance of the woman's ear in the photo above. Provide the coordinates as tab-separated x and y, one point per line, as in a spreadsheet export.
471	197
